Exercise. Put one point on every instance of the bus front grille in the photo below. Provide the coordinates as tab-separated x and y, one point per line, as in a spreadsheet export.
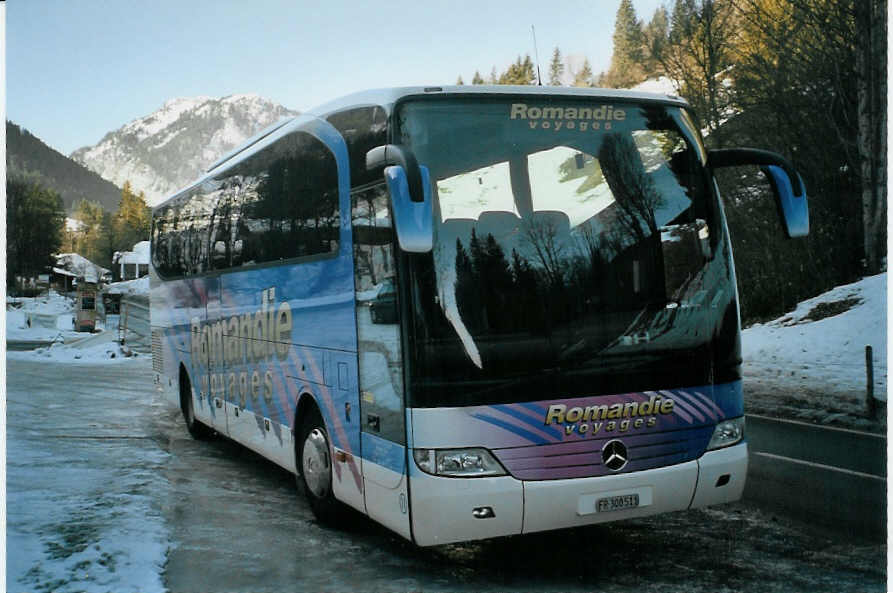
582	458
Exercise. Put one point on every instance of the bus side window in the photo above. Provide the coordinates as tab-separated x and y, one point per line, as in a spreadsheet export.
282	203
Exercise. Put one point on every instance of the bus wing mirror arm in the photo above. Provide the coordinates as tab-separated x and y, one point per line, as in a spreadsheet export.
787	186
395	154
409	186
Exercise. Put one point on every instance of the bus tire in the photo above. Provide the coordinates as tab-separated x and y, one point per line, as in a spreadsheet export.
315	467
196	428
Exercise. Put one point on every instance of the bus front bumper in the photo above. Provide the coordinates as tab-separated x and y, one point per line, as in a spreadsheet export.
447	510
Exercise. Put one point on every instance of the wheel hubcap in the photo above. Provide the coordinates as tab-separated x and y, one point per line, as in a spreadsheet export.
315	463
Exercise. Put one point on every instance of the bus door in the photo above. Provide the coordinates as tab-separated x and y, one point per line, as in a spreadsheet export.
380	360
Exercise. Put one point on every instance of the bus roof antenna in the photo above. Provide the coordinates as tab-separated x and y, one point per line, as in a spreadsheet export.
536	53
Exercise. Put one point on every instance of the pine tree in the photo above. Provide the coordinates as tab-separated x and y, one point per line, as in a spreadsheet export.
520	73
92	217
133	221
556	68
657	34
584	76
627	67
459	81
699	48
478	79
35	218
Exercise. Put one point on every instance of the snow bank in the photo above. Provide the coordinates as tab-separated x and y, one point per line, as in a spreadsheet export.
44	318
662	85
50	303
105	350
827	355
138	286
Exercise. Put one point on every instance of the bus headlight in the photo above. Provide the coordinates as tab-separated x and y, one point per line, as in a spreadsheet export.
458	463
726	433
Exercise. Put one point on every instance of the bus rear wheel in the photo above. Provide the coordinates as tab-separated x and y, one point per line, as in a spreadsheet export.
198	430
315	468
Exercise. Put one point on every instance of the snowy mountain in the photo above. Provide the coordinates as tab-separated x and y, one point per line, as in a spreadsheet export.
165	150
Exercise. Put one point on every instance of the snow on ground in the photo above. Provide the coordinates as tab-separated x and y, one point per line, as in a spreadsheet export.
44	318
99	348
50	303
50	318
662	85
828	352
85	479
810	363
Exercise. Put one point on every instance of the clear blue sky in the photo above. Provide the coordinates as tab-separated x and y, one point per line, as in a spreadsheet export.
77	69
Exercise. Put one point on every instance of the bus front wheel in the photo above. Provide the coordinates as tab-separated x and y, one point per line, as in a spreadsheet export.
198	430
315	466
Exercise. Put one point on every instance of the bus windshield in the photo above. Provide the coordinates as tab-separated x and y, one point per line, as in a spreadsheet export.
569	235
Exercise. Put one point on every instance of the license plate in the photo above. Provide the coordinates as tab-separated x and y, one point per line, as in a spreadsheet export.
616	503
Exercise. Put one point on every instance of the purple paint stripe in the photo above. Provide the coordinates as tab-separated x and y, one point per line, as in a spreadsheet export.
590	458
570	448
658	450
590	445
517	413
586	471
698	403
513	428
685	405
583	471
694	407
676	411
708	401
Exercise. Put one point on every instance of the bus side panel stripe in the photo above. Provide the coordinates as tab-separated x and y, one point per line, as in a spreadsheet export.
532	437
534	423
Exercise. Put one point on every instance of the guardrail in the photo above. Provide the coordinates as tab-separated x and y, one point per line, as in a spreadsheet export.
133	323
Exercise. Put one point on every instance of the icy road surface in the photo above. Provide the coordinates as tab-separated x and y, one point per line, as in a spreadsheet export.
107	492
84	478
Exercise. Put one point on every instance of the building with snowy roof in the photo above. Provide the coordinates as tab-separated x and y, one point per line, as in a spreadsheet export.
129	265
76	266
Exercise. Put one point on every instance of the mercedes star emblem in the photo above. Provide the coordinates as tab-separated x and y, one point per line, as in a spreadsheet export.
614	455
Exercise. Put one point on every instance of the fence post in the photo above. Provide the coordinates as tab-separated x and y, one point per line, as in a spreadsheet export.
871	404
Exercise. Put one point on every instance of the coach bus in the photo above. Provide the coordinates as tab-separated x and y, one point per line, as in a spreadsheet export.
467	312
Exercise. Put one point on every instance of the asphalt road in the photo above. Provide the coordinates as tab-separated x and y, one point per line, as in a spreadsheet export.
107	491
832	476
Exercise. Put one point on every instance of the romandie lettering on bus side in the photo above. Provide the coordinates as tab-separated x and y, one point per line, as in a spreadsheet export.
247	340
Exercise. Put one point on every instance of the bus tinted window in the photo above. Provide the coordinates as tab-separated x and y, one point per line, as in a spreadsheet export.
363	128
280	203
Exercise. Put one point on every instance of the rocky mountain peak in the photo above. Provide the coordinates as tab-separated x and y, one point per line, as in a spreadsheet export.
169	148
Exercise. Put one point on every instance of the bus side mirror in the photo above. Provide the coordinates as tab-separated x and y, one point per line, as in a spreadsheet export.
395	154
787	186
792	208
412	219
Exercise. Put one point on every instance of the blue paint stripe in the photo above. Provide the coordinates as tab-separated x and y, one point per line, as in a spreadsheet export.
383	452
541	410
532	437
533	423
